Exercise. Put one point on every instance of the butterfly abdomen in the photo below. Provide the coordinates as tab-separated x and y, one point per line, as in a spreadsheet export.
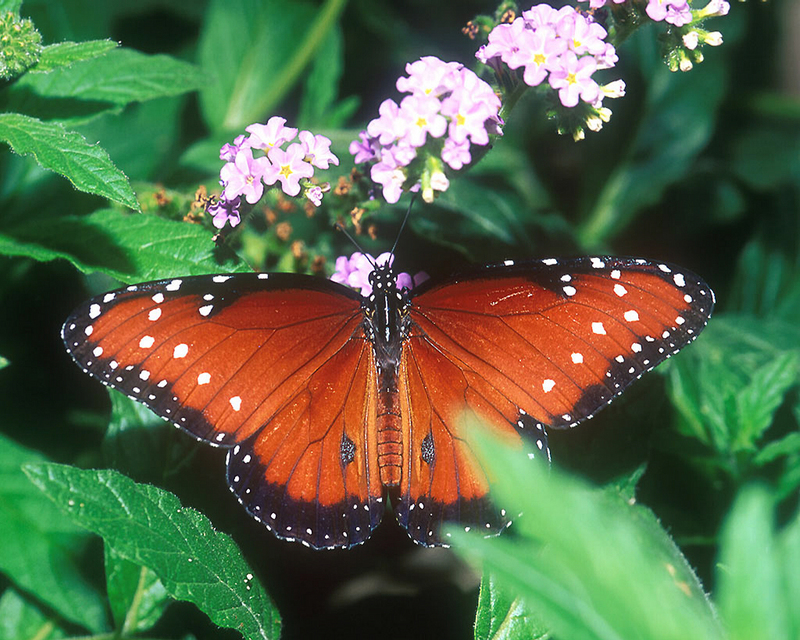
390	434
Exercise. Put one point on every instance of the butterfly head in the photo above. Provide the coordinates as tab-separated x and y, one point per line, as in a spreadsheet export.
382	279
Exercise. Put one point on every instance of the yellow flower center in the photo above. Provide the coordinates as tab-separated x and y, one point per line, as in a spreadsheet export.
286	170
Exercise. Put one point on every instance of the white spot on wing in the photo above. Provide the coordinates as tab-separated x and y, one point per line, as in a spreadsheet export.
679	280
180	350
109	297
158	298
550	261
98	351
620	290
220	279
154	314
94	311
205	310
615	274
174	285
569	290
577	358
204	378
146	342
631	315
547	385
236	403
598	328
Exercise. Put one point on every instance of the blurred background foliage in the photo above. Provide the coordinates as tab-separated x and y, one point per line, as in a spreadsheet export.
699	168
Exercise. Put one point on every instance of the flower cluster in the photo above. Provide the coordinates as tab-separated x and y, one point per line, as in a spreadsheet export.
676	12
354	272
246	174
448	109
561	46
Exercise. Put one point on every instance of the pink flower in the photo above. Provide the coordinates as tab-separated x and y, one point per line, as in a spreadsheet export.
456	154
428	76
317	150
228	151
287	167
389	174
543	48
224	211
504	41
314	194
582	35
676	12
421	115
364	149
389	126
272	134
243	176
574	79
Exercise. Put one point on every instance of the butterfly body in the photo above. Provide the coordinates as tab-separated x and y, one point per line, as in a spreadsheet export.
329	402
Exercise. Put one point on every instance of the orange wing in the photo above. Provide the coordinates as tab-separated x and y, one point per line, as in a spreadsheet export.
526	347
277	368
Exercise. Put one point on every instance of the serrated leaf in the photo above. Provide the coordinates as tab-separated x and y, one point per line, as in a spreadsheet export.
86	166
40	548
749	577
504	616
760	399
20	619
589	563
253	52
137	596
728	387
66	53
128	247
150	527
120	77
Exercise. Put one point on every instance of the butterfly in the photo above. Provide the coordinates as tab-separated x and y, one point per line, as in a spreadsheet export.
330	403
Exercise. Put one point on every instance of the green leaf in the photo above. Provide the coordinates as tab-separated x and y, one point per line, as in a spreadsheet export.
64	54
86	166
3	362
728	387
41	549
589	563
137	597
750	584
150	527
503	616
128	247
20	619
254	51
789	550
319	107
759	400
119	77
677	121
137	442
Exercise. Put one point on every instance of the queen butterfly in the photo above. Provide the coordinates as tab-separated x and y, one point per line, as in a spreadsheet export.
328	401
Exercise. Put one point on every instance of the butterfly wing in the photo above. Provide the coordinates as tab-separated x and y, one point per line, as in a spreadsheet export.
275	367
527	347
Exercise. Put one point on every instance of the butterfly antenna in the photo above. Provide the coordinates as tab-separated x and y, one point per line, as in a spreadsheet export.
339	226
403	225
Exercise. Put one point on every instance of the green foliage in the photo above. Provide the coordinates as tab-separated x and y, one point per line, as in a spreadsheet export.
150	528
621	577
105	147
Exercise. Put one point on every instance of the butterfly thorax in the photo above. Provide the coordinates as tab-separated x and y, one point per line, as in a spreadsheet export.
386	323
